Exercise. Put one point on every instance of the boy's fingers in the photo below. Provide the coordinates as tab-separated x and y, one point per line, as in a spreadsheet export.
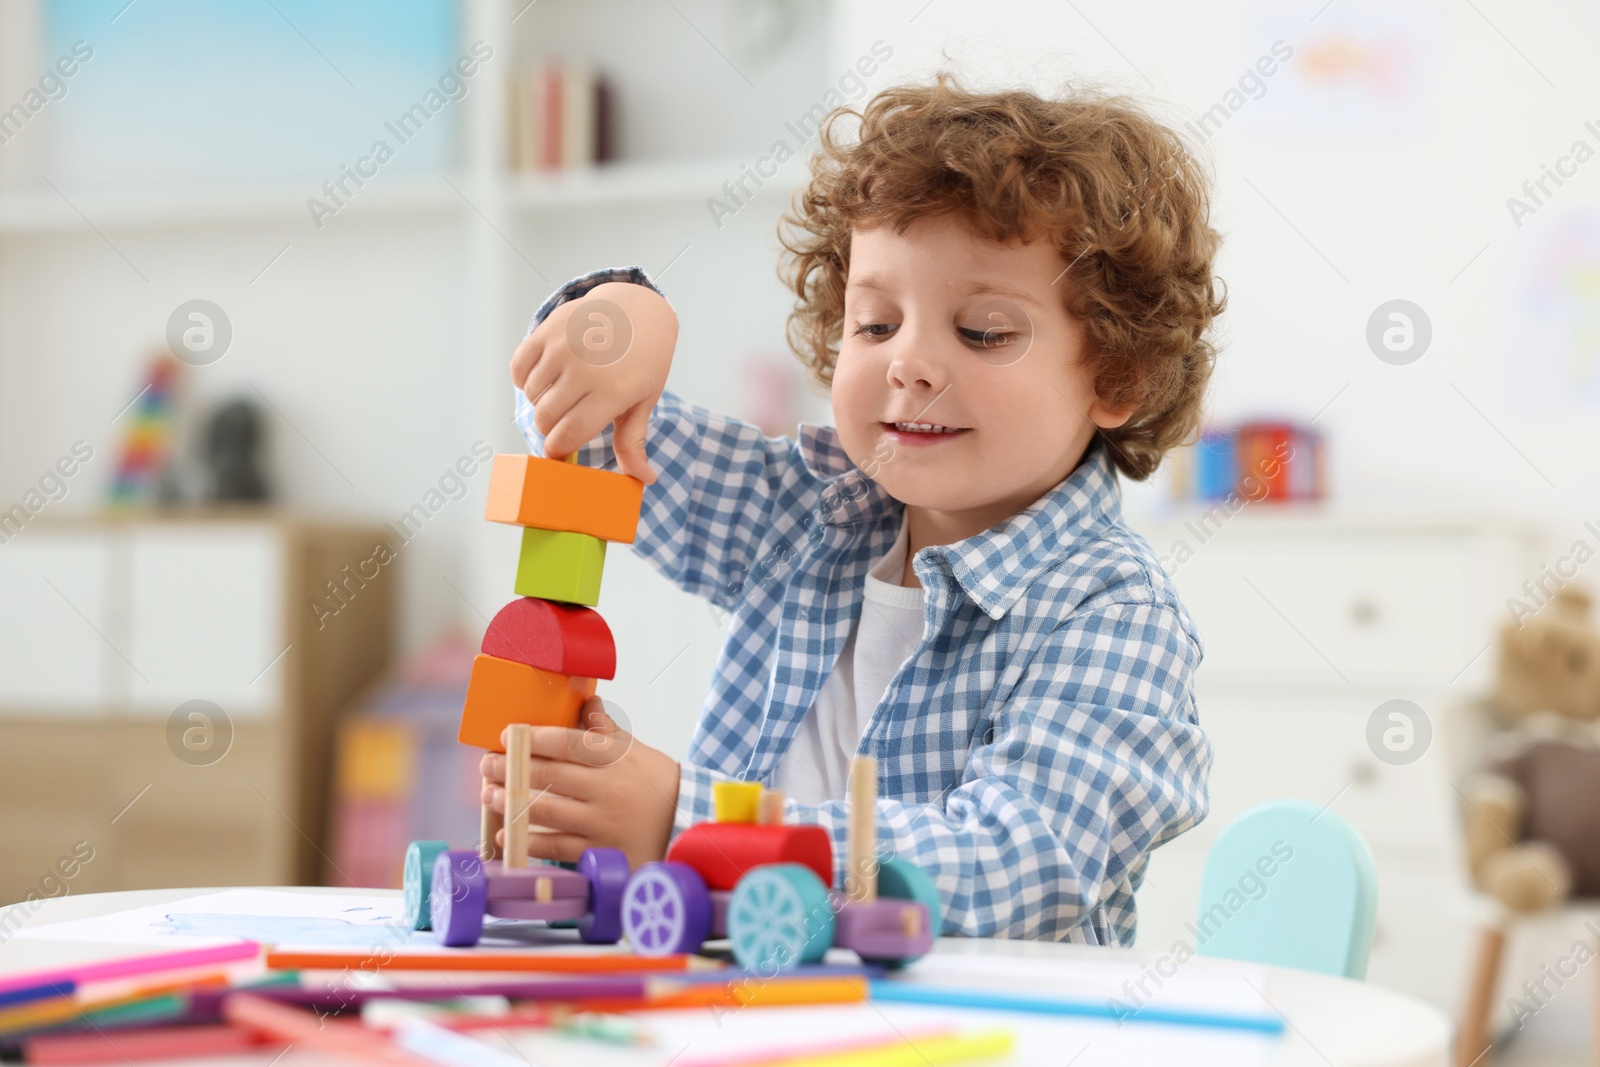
555	811
627	440
493	767
545	807
561	847
582	418
524	359
587	748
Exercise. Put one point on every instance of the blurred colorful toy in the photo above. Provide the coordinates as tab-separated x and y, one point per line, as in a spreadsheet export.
147	438
768	887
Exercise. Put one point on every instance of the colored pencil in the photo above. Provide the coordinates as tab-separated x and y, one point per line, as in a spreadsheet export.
953	1048
838	989
43	991
153	1043
510	960
771	1057
71	1009
128	966
631	986
292	1026
450	1049
888	992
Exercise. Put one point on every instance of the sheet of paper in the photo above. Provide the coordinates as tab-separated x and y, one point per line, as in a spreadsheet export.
327	919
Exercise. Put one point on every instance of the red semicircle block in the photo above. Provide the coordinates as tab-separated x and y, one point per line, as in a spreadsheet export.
566	638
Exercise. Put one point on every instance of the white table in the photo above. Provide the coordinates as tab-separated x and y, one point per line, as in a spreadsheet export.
1333	1022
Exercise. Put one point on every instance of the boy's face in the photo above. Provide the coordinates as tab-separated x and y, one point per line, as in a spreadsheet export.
944	326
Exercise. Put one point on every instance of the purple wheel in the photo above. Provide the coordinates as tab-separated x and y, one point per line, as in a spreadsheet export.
607	870
459	898
666	909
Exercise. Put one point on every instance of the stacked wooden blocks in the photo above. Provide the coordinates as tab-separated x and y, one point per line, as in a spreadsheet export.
544	652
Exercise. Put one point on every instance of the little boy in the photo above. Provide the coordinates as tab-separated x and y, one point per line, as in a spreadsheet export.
1009	298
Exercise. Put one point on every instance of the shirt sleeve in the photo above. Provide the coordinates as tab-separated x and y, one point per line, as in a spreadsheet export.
1095	760
720	484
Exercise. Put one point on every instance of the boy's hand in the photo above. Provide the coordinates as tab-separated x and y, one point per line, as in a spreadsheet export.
594	786
600	358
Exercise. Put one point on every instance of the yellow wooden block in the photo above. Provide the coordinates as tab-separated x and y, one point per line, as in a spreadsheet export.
736	801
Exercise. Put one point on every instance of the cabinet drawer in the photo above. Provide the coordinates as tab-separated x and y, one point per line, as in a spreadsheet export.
206	618
1327	609
56	631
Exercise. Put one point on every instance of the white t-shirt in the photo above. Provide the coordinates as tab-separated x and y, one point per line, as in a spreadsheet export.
816	767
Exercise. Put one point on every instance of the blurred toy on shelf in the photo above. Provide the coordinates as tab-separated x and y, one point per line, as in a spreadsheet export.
142	478
1275	461
232	455
399	772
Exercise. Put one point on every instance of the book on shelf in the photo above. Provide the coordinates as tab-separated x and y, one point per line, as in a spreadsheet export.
558	115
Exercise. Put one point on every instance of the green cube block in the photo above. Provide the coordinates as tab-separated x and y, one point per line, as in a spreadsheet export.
558	565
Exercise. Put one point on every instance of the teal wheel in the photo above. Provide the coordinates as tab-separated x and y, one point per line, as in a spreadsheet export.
418	876
903	880
779	917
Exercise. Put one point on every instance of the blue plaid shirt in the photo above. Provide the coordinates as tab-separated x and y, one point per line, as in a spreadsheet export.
1039	741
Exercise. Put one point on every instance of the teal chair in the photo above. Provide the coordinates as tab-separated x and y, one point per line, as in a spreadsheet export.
1290	884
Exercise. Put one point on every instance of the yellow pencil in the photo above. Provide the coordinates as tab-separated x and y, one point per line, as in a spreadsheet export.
953	1048
917	1048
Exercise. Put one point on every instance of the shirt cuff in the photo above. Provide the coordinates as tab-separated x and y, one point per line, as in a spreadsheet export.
580	287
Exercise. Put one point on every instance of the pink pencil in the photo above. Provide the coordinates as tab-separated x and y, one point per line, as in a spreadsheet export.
136	965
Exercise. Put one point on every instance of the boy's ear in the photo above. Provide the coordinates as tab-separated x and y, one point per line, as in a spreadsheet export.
1110	416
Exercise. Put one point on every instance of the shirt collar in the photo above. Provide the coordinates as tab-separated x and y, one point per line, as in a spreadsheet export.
994	567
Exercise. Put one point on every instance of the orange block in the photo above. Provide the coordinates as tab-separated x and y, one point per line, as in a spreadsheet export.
552	495
501	692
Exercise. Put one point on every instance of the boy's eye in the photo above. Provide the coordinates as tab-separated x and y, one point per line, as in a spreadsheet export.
871	328
993	337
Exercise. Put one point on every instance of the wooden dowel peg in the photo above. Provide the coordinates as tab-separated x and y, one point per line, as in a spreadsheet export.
519	750
771	807
861	881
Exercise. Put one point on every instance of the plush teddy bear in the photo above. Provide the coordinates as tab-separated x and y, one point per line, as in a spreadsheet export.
1533	814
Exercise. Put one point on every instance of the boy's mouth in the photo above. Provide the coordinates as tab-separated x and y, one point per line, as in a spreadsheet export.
921	432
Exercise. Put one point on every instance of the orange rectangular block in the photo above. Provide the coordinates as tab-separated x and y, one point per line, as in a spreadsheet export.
551	495
501	692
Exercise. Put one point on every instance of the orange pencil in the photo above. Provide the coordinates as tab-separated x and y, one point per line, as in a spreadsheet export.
835	989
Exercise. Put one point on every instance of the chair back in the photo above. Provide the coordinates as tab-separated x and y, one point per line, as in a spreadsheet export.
1290	884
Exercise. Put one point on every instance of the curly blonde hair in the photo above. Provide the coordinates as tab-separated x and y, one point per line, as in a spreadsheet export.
1117	192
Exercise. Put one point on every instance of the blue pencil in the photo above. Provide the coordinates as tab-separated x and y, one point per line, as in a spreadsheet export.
908	993
24	994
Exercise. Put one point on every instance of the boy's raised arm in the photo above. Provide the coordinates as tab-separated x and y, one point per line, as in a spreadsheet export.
595	362
1095	760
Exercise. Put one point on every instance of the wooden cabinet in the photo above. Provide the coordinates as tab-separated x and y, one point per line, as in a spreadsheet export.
168	691
1310	621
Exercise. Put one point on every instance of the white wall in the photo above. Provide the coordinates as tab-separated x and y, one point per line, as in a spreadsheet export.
1398	218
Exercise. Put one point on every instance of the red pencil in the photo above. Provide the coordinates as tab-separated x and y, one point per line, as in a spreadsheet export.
156	1043
296	1027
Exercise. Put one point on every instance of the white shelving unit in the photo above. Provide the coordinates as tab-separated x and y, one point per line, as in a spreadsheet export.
381	340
